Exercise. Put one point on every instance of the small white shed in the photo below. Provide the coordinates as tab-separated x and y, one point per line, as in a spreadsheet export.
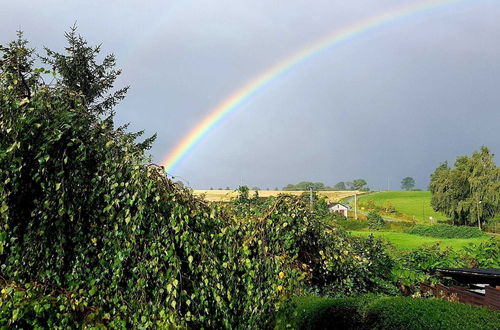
339	208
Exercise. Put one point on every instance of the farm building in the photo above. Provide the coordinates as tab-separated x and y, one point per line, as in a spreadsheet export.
339	208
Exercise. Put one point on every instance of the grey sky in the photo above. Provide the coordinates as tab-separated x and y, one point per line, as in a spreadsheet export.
391	103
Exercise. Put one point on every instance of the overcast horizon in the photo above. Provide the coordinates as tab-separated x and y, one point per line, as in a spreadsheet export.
394	102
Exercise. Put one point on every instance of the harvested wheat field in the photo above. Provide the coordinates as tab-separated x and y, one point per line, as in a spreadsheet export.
226	195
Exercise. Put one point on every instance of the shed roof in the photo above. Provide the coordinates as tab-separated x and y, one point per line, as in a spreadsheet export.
332	205
473	275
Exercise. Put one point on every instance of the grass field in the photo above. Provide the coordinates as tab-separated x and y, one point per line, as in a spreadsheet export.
226	195
404	241
415	204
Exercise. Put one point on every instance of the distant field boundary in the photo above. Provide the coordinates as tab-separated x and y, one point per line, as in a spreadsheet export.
227	195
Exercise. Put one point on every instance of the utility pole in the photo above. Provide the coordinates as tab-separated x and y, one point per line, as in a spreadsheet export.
478	220
423	212
355	206
388	184
311	197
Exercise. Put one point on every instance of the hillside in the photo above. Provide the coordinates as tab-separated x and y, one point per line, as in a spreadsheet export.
412	204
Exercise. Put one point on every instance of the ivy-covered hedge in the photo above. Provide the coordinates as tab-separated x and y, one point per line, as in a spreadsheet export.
335	262
87	222
81	212
39	307
372	312
446	231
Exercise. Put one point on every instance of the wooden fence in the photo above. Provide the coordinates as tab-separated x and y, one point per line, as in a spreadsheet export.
490	298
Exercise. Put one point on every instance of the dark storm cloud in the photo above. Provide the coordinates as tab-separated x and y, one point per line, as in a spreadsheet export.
394	102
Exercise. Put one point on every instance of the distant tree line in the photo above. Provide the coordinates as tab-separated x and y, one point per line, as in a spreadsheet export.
358	184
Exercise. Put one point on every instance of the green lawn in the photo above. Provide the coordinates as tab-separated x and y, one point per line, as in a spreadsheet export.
415	204
406	241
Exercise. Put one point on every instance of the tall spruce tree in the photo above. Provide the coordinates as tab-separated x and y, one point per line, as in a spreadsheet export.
79	70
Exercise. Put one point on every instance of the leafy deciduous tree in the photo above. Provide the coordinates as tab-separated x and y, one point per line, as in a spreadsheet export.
359	184
469	193
340	186
407	183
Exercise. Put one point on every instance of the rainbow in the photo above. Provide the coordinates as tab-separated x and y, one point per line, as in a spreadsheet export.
244	93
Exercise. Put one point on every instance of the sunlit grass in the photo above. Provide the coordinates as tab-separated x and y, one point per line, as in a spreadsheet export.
404	241
414	204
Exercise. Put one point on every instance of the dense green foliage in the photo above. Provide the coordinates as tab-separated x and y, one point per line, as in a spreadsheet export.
372	312
446	231
91	234
375	221
469	192
39	307
81	212
360	184
78	70
334	262
314	312
420	265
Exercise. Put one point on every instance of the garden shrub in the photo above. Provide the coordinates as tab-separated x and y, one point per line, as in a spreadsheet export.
483	255
39	307
420	265
419	313
375	221
376	312
446	231
314	312
388	207
332	260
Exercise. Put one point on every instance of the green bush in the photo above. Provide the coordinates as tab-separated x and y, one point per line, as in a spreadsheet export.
375	221
39	307
483	255
313	312
331	260
372	312
446	231
420	265
418	313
